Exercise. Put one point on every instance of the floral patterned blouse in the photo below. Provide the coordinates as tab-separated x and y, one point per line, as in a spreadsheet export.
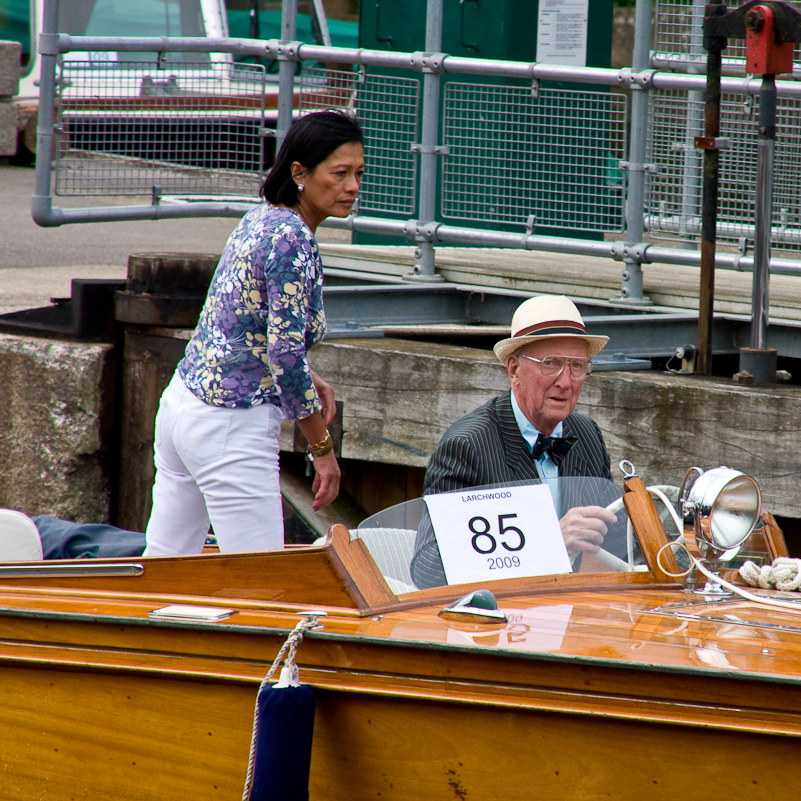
264	310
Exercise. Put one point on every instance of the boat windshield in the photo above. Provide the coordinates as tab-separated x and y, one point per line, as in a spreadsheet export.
501	531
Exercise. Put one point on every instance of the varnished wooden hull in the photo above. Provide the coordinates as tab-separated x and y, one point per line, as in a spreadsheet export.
149	737
596	686
582	694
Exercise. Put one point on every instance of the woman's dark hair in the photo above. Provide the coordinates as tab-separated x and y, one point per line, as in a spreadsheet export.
310	140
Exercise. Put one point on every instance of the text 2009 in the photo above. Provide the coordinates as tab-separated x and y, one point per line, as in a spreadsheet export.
500	562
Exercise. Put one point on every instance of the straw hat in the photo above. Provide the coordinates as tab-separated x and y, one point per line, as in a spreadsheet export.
545	317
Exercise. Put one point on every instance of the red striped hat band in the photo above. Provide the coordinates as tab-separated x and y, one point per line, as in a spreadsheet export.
553	328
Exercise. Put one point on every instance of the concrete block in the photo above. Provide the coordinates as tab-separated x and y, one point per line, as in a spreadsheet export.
55	447
665	423
27	119
8	128
10	53
400	396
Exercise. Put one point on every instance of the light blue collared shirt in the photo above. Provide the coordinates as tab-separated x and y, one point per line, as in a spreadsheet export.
546	467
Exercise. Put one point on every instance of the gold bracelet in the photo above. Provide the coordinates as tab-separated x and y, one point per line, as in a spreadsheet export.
321	448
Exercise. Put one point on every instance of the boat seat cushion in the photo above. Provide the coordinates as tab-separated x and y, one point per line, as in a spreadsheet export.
392	549
63	539
19	538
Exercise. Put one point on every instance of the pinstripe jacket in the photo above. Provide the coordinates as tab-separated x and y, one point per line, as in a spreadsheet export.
486	447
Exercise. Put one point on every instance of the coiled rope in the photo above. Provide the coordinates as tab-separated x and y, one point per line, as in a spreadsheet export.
289	674
783	574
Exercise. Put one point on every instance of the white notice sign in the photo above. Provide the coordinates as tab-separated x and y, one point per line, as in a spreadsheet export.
488	534
562	32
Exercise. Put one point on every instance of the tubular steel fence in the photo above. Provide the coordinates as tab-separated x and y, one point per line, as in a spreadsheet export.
194	131
511	162
674	210
389	110
549	158
677	116
678	39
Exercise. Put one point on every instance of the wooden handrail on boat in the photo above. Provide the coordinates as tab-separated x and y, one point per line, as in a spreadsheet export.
340	574
649	529
774	537
365	581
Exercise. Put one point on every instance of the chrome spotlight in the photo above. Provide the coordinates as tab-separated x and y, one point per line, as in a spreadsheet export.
723	506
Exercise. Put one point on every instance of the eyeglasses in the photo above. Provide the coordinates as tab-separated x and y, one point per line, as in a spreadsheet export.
580	367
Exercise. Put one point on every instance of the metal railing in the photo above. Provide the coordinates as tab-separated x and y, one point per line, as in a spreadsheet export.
677	116
531	164
126	132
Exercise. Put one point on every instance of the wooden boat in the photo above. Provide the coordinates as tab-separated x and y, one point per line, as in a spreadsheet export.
596	685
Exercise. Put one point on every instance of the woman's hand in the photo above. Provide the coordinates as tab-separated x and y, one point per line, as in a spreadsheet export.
326	393
326	480
326	467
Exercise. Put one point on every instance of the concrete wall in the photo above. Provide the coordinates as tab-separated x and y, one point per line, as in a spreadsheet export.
665	423
56	451
400	396
9	86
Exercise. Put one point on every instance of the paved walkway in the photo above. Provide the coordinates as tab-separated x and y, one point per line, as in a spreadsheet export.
37	264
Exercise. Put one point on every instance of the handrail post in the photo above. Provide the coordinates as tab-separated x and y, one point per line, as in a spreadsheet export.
714	46
692	171
42	201
286	72
631	288
764	206
758	362
424	261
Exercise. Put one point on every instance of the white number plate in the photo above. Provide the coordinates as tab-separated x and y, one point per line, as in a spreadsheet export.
488	534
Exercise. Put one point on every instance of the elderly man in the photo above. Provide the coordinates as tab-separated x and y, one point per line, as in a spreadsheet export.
530	433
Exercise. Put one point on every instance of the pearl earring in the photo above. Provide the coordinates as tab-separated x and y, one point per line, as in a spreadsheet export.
300	187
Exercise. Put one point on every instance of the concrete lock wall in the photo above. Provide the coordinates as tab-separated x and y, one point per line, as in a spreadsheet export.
59	454
55	453
400	396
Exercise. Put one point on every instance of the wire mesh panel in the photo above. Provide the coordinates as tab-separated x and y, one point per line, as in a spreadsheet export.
187	129
545	160
679	34
388	109
674	192
679	37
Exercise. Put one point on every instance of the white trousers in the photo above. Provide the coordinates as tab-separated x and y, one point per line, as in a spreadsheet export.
214	465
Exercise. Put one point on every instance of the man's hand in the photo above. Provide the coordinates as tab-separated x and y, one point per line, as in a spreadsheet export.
584	528
326	480
326	393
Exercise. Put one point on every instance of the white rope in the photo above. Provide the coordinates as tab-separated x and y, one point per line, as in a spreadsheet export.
291	644
669	506
749	596
784	574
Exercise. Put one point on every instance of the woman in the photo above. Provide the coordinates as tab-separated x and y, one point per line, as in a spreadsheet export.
245	368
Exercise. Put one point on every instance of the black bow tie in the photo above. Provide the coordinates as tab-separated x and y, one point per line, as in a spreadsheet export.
556	446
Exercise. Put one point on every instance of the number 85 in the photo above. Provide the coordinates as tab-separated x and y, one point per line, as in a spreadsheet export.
480	527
